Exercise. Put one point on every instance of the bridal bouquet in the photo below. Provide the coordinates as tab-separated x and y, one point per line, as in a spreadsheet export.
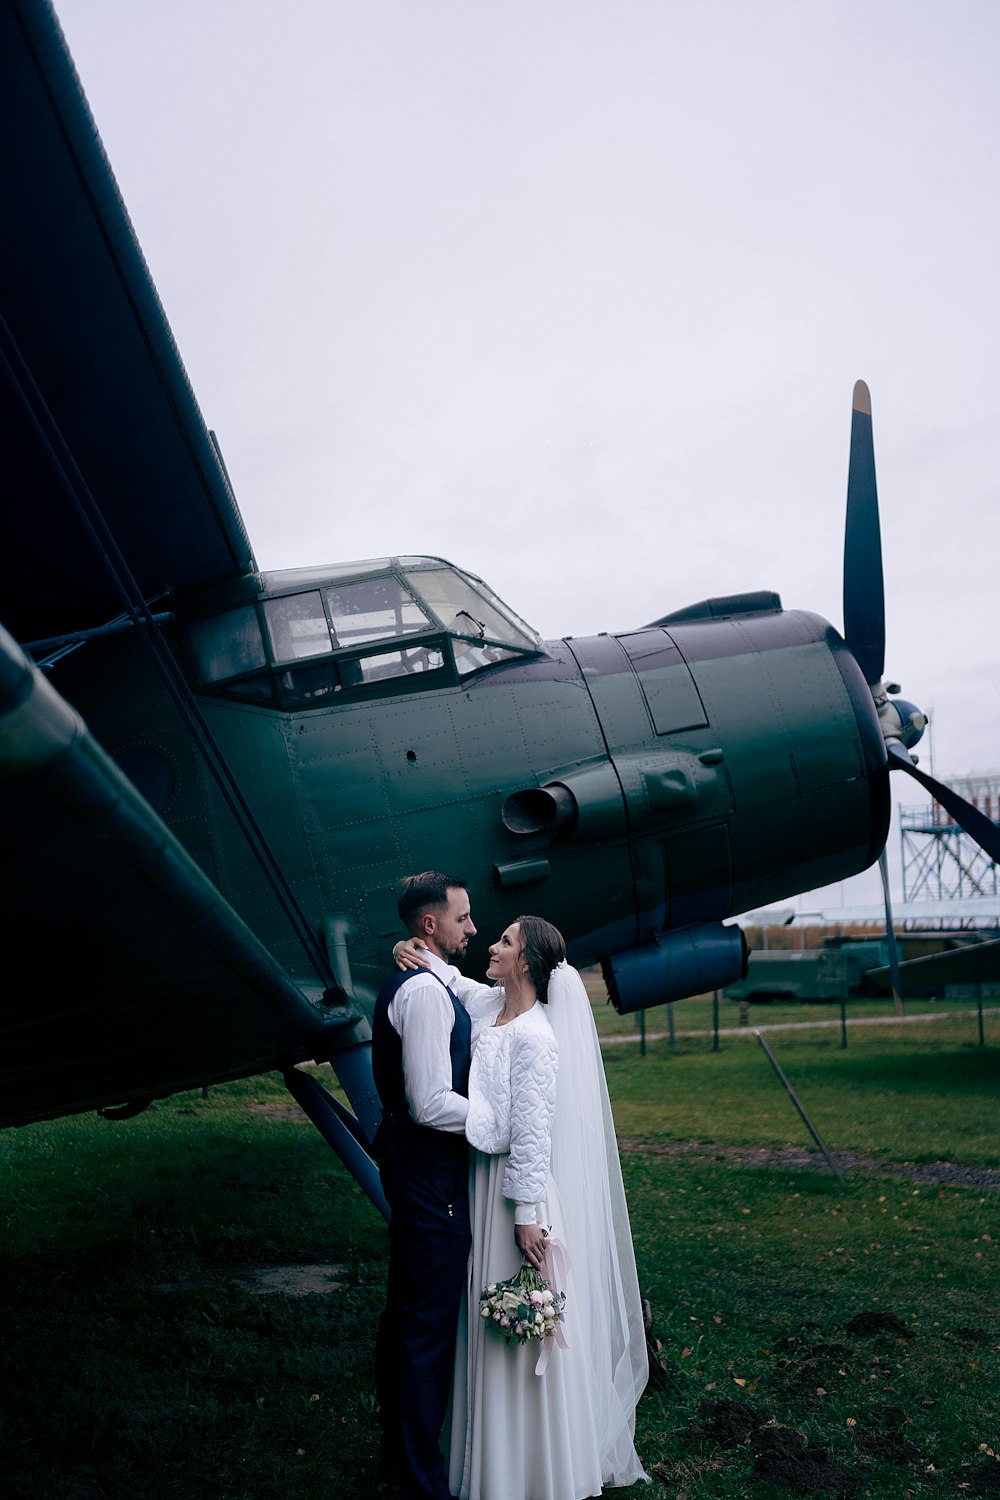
523	1308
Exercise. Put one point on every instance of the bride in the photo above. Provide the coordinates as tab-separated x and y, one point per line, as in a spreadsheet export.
544	1164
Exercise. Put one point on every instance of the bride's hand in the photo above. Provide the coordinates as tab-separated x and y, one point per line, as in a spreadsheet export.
531	1242
410	953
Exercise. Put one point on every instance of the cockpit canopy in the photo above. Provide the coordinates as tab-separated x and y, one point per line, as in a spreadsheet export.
389	625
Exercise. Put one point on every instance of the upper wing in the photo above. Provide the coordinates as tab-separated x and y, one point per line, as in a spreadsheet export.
95	405
126	973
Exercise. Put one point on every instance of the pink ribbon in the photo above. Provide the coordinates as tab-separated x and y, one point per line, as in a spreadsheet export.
555	1269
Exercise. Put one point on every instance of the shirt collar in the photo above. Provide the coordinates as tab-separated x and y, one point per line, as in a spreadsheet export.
444	971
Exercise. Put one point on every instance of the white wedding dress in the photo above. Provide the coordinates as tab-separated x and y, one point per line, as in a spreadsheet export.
538	1100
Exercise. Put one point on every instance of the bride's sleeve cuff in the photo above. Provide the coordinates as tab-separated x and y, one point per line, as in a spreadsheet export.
529	1213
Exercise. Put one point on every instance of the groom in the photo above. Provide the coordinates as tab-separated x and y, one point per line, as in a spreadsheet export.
421	1049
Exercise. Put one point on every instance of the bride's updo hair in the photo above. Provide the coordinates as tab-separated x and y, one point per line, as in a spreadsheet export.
542	948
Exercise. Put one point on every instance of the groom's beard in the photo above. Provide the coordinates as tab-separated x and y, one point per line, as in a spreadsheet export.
454	955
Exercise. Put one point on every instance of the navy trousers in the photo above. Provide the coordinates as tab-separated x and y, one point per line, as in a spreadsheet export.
429	1242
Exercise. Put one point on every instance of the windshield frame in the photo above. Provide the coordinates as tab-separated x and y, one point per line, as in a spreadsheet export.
431	654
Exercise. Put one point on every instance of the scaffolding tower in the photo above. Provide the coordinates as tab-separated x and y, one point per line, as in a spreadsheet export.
940	861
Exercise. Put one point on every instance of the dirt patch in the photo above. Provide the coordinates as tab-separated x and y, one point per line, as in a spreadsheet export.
782	1456
797	1158
892	1417
811	1369
267	1281
278	1109
728	1422
289	1281
787	1458
870	1324
892	1446
985	1478
812	1377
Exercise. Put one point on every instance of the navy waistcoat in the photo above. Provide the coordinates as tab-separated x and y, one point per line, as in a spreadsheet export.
423	1141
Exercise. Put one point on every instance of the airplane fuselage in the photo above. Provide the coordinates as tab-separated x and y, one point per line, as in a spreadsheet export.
623	785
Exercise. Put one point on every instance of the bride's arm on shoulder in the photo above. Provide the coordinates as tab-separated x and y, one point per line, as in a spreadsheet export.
410	953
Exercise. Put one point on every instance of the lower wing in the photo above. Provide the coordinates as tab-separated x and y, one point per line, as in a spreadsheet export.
128	975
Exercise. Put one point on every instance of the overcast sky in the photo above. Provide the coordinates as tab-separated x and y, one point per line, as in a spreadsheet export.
575	292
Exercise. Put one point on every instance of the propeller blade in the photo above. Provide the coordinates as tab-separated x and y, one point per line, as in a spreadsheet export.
864	594
976	825
897	983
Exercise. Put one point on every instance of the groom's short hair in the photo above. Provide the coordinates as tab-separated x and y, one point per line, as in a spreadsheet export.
425	892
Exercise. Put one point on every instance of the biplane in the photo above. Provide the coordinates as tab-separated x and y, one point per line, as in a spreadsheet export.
212	776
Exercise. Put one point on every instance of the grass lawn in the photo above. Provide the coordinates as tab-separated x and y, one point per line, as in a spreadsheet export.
814	1339
920	1093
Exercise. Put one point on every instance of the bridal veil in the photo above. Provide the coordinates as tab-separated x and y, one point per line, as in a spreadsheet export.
587	1170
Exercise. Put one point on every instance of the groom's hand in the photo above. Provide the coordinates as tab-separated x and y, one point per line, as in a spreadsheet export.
531	1242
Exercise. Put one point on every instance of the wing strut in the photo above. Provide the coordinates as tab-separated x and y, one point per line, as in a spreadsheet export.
339	1129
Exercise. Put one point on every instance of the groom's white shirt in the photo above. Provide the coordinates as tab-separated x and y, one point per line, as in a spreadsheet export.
422	1015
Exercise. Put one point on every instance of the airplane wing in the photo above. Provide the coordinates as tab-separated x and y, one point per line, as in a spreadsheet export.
978	963
127	975
102	435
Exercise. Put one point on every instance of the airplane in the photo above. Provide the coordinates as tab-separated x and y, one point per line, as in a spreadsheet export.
974	963
212	776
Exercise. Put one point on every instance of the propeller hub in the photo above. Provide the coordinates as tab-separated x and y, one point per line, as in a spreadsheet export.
900	720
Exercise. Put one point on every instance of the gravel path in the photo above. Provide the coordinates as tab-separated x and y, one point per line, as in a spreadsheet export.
797	1157
989	1012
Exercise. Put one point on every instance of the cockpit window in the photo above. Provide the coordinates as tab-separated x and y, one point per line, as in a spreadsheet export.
399	663
227	644
297	626
470	656
373	609
317	679
462	609
383	627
